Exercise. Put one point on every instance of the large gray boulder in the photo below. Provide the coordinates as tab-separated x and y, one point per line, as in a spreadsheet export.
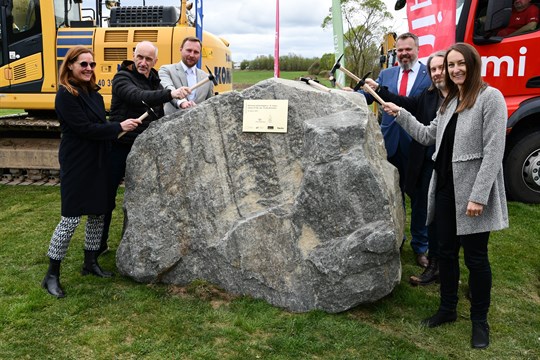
310	219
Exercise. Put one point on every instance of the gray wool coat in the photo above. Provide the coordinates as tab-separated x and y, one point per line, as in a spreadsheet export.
476	159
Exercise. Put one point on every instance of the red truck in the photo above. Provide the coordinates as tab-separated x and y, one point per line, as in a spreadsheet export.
512	65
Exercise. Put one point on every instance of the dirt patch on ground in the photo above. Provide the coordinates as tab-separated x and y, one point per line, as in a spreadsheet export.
203	291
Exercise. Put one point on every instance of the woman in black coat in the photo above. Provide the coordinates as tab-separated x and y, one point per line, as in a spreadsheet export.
86	138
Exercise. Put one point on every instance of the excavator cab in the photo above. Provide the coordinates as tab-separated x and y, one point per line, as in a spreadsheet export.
20	36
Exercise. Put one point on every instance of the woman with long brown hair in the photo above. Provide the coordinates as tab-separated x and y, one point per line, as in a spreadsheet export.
466	199
86	137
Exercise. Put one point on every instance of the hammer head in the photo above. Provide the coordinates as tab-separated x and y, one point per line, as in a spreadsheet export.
361	82
336	66
211	76
332	80
307	80
149	110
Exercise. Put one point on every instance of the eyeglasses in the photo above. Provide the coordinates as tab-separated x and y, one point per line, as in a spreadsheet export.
84	64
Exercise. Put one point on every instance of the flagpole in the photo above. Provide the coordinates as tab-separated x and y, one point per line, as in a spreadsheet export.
337	22
199	25
276	46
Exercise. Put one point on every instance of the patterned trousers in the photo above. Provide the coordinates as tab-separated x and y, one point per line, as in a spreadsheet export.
64	231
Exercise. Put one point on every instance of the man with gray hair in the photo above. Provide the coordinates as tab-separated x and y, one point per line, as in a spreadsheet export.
410	78
420	166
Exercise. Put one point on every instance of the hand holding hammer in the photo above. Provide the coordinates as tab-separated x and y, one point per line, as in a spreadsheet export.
361	83
131	124
210	77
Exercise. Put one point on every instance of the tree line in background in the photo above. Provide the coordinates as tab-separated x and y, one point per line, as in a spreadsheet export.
362	40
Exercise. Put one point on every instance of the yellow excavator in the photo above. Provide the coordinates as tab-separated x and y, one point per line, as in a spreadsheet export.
35	35
388	56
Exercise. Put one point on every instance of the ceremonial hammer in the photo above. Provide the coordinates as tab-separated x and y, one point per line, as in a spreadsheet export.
360	82
314	83
149	111
210	77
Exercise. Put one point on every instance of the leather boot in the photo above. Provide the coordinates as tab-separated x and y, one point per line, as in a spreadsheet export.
91	265
440	317
51	282
480	335
429	276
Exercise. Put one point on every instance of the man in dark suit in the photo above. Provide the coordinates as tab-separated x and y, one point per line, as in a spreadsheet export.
186	73
420	167
410	78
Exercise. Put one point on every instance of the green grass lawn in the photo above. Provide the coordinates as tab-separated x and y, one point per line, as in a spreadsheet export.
122	319
245	78
10	111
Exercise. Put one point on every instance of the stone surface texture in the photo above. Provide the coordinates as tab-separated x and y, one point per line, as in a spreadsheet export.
310	219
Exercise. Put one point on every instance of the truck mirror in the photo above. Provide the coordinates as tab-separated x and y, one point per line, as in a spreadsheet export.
497	15
400	4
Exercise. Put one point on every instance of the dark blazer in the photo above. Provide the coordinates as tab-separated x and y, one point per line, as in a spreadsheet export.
393	134
83	154
424	108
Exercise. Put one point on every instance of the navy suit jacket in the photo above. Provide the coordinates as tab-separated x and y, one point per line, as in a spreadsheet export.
393	134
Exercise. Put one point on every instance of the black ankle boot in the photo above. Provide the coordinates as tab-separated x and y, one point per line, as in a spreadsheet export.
480	335
440	317
429	276
91	265
51	282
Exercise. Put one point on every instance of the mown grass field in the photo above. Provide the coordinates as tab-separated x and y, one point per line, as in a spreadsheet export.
122	319
245	78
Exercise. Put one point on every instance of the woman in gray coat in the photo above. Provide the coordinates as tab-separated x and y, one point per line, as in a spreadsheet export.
466	196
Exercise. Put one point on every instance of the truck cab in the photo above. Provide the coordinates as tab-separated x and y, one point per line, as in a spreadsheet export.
510	64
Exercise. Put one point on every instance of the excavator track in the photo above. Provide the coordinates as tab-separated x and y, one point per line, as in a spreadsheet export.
29	150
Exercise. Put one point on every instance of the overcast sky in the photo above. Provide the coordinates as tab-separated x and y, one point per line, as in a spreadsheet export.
249	25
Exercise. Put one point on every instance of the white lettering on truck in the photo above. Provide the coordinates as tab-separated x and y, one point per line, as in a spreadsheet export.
498	61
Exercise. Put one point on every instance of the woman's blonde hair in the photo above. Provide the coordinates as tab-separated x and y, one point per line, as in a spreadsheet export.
66	78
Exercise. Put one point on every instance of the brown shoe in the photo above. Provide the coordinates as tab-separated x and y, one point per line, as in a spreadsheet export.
422	260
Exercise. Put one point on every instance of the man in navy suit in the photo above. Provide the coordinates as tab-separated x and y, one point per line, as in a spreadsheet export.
410	78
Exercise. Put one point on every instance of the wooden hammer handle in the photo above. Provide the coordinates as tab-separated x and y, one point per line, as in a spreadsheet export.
374	94
350	74
199	84
318	86
140	119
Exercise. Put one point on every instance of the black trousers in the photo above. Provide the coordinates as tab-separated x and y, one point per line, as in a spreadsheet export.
119	156
475	251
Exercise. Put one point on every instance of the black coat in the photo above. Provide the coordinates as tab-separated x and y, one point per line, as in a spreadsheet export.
129	90
424	108
83	155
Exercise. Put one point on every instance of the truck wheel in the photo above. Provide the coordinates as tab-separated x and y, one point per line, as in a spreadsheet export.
522	170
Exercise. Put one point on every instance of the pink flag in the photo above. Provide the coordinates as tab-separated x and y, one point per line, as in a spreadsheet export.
434	22
276	46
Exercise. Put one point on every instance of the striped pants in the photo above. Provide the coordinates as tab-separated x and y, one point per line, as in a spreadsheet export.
64	232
